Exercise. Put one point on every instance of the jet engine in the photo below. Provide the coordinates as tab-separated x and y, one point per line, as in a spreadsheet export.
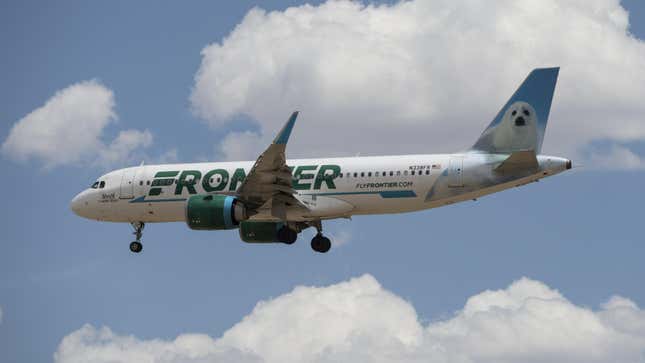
209	212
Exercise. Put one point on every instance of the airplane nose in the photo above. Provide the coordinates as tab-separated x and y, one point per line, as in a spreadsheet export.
76	205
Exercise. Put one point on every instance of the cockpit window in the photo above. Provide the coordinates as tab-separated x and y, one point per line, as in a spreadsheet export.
95	185
102	185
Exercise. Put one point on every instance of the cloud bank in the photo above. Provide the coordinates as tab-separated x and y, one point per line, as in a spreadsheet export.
360	321
68	129
423	76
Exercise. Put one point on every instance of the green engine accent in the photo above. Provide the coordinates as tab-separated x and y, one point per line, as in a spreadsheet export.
209	212
260	232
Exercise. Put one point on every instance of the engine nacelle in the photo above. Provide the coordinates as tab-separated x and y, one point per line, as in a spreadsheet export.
260	232
208	212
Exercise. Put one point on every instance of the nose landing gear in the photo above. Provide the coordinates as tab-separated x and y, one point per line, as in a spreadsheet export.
136	245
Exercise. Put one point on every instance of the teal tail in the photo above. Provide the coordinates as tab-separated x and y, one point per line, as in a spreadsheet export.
521	123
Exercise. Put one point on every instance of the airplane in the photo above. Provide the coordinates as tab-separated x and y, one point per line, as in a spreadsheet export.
274	199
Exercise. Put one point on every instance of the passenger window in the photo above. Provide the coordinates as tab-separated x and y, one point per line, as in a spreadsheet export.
355	175
102	185
140	182
405	172
412	172
427	172
369	174
362	175
398	172
376	174
147	182
391	173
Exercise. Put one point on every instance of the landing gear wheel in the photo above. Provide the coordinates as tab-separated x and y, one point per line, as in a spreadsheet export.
320	243
136	246
287	235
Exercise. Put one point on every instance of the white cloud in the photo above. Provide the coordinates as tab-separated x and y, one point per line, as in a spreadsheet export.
617	157
340	238
424	76
359	321
244	145
121	147
68	129
170	156
91	345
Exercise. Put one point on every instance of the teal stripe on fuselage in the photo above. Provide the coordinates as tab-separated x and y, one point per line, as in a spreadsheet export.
399	194
384	194
144	200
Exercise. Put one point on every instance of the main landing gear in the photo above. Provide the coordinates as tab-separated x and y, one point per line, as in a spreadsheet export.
320	243
136	245
288	234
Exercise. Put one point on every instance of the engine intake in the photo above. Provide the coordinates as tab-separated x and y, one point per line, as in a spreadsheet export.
209	212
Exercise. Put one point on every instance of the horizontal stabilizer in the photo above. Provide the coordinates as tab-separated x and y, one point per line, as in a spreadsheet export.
519	161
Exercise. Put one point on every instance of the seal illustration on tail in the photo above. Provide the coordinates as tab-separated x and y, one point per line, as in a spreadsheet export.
517	130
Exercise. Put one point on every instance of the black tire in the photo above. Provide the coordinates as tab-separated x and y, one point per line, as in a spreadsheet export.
287	235
320	243
325	245
136	247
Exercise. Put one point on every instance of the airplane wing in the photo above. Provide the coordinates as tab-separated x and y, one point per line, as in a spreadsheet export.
267	188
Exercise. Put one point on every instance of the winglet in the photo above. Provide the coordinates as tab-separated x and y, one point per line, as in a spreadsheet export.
283	135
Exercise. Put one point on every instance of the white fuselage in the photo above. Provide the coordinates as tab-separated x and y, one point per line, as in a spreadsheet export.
365	185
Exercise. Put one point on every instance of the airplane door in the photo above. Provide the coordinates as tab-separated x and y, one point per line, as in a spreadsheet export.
140	185
127	183
456	172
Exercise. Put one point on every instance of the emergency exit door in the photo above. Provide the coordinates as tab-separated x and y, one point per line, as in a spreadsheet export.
127	183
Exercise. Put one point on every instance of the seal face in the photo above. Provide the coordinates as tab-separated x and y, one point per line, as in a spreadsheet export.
517	129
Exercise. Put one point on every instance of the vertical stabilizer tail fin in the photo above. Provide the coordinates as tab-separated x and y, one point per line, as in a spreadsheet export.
521	123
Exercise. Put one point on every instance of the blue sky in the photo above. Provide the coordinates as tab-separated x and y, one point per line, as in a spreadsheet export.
579	233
